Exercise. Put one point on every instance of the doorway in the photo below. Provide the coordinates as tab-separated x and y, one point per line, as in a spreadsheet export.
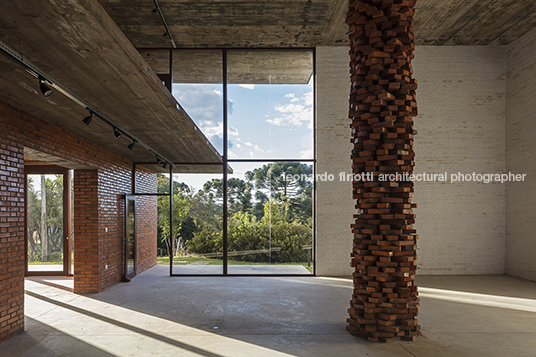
48	220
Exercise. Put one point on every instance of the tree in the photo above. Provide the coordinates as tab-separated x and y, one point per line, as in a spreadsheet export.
34	215
43	225
287	182
238	193
54	218
181	207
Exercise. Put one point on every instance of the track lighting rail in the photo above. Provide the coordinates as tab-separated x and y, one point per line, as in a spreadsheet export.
47	84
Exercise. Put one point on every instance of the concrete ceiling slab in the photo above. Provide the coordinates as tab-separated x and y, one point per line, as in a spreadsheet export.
77	44
232	23
309	23
36	157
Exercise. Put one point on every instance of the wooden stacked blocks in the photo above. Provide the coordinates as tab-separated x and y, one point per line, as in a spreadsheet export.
385	301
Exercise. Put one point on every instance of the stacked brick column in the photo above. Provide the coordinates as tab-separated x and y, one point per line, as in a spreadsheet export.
382	106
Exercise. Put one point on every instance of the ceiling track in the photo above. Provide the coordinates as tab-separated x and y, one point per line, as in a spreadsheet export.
168	32
38	73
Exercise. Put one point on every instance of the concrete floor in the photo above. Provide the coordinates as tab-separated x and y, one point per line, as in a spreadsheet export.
266	269
156	315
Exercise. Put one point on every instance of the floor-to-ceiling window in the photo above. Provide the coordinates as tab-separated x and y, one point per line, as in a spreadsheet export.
256	107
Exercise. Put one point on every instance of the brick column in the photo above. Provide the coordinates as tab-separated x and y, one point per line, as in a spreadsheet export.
86	232
382	106
12	212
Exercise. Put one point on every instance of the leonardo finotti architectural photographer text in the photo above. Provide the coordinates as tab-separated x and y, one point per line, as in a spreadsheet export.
406	176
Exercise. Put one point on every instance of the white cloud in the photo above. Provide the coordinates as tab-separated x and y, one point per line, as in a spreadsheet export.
232	154
247	86
232	131
306	154
203	103
243	142
298	111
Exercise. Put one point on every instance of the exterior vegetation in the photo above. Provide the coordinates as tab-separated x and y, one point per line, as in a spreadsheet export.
269	216
45	219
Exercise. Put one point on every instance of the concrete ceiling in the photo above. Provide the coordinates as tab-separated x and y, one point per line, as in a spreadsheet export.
77	44
232	23
309	23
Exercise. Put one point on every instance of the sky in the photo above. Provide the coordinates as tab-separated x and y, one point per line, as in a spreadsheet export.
265	122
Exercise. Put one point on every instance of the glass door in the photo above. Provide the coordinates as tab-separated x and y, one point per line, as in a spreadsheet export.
130	237
48	220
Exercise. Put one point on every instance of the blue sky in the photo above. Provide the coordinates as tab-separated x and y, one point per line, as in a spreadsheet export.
265	121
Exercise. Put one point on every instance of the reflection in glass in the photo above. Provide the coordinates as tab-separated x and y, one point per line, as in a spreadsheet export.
130	269
198	87
45	222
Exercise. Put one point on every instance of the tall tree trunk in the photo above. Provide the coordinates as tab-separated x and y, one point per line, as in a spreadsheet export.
43	226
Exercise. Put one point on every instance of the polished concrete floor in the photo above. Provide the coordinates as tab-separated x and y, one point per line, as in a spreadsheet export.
156	315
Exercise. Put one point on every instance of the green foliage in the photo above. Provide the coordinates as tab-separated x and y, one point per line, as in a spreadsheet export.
207	240
181	208
254	238
286	182
48	236
238	193
274	227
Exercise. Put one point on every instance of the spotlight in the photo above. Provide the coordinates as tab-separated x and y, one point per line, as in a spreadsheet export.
159	160
88	119
164	166
44	88
166	34
130	146
117	133
154	11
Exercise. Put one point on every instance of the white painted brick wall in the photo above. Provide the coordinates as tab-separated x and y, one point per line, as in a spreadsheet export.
335	206
521	157
461	100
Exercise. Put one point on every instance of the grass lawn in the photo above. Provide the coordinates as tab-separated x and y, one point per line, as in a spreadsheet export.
189	260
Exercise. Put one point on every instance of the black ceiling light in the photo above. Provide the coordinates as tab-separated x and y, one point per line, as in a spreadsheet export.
87	120
159	160
164	166
130	146
166	34
117	133
154	11
44	88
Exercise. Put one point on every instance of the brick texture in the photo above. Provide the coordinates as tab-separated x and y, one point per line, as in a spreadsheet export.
460	129
460	89
98	211
382	106
11	228
147	219
521	157
334	204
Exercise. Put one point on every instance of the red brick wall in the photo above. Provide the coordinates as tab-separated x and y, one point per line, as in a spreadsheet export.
98	207
11	231
86	228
